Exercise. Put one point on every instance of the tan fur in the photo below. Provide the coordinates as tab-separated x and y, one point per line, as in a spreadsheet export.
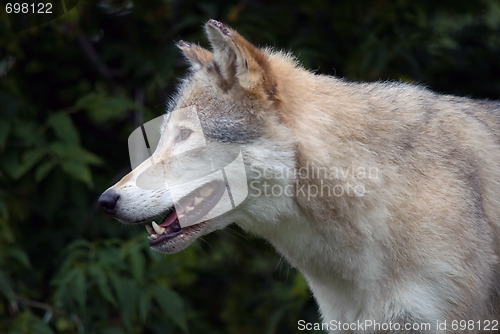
422	242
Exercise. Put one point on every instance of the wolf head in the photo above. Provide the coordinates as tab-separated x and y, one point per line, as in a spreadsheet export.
225	113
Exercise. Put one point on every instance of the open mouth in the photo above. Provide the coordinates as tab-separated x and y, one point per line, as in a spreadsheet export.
191	209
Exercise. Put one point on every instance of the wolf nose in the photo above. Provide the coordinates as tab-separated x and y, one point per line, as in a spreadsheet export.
107	201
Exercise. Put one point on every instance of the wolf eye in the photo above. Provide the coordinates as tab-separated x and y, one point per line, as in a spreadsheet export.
184	134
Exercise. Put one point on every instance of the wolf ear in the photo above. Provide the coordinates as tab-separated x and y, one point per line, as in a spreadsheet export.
196	55
240	61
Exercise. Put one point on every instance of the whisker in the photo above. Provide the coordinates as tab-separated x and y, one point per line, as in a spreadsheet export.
206	242
235	234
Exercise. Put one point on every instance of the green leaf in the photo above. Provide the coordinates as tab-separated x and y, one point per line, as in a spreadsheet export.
74	152
80	287
6	233
28	323
73	259
300	288
74	161
127	295
77	244
15	168
113	330
20	256
27	132
30	158
97	274
10	162
40	327
42	170
172	306
79	171
5	285
144	304
64	128
137	263
275	318
4	133
103	107
4	212
18	169
110	257
71	285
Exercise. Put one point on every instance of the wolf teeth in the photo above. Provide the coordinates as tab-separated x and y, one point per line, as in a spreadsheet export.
158	229
198	200
206	191
153	237
150	229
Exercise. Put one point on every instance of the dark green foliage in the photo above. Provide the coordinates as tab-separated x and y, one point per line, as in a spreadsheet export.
73	89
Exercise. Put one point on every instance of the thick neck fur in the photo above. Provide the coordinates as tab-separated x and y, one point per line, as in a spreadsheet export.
329	155
329	238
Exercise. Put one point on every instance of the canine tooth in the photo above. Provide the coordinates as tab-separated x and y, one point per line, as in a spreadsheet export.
150	229
206	191
158	229
189	208
198	200
152	237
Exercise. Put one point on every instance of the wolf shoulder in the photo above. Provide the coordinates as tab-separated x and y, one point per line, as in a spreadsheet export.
404	105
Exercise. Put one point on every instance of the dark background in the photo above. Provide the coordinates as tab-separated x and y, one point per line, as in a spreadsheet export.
72	90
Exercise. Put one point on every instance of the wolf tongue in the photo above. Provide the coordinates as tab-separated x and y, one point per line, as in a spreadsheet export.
175	227
169	219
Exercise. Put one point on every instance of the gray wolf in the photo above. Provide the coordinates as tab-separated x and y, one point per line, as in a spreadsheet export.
385	196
